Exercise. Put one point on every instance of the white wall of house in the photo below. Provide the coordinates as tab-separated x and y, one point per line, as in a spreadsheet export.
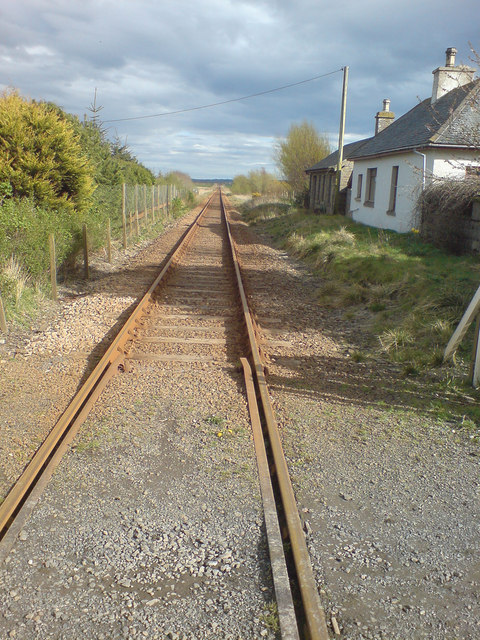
410	173
438	162
454	163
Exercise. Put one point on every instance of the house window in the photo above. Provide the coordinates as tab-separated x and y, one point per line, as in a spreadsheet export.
322	187
393	191
359	186
370	190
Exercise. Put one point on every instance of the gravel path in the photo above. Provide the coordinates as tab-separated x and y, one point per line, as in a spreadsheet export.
389	495
152	527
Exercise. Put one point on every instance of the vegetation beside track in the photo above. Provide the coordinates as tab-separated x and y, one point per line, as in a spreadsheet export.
58	173
25	291
404	296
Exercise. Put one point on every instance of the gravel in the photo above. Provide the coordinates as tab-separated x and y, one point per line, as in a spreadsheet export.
389	494
42	366
152	526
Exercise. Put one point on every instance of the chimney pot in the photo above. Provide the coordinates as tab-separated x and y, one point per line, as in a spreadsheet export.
450	77
450	53
386	104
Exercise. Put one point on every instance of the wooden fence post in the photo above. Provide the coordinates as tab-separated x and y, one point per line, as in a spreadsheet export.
3	319
53	266
137	224
471	314
124	215
475	363
166	202
145	210
85	252
153	203
109	241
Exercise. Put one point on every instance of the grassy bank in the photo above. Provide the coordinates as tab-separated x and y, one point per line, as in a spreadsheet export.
24	255
407	296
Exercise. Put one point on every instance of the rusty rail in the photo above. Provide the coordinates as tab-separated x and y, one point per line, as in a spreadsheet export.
78	409
115	358
314	614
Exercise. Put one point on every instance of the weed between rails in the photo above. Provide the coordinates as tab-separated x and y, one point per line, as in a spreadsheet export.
270	617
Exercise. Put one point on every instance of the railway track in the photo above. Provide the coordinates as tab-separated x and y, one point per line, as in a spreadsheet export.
196	315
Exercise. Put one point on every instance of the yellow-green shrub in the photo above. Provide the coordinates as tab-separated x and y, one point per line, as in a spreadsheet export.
40	155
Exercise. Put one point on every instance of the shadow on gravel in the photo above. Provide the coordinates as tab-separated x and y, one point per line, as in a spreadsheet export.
285	301
96	355
131	280
123	283
339	381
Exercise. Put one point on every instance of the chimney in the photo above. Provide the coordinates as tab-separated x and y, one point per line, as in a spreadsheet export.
384	118
450	77
450	54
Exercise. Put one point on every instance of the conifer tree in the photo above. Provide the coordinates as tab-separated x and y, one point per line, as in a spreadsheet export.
40	155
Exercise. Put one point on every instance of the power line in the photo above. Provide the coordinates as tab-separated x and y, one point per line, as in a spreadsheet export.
216	104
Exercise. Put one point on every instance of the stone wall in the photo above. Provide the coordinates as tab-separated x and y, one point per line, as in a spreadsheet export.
459	233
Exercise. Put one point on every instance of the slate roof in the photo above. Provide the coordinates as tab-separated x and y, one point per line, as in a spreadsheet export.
445	123
331	161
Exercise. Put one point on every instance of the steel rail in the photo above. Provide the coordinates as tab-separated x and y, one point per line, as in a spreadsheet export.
78	409
115	358
281	583
314	614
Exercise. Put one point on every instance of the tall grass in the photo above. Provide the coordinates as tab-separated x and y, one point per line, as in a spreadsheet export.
21	295
407	295
24	246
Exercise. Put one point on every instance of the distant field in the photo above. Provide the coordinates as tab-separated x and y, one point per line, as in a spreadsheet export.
199	182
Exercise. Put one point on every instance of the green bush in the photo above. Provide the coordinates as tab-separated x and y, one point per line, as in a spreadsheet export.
57	173
41	157
106	203
176	207
24	231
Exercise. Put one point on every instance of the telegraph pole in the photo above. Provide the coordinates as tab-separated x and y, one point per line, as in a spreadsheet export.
341	134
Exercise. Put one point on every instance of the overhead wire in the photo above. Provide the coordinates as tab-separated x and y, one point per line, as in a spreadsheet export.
216	104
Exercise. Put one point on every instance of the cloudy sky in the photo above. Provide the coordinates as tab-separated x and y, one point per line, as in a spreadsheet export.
147	57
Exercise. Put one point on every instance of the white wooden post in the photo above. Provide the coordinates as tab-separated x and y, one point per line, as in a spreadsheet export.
3	318
468	317
476	356
472	313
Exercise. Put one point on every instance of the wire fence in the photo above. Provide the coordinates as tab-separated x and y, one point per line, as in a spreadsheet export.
119	216
141	204
141	207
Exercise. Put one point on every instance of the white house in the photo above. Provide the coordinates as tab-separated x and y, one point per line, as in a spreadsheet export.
439	137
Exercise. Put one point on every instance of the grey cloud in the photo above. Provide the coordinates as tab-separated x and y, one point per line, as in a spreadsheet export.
148	57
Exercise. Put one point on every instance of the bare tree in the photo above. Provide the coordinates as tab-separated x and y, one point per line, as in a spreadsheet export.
302	148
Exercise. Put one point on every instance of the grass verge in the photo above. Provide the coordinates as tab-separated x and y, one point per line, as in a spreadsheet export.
24	282
415	294
404	296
